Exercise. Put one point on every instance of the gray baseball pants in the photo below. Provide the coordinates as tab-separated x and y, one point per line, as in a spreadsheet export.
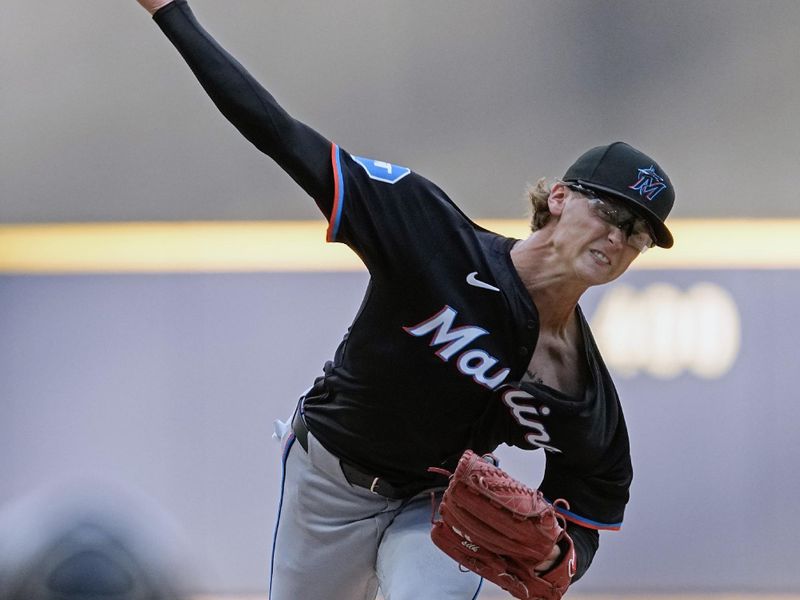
335	541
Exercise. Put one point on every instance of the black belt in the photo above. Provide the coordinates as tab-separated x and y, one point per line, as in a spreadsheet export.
353	474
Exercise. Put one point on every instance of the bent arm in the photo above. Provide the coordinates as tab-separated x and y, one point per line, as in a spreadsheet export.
299	150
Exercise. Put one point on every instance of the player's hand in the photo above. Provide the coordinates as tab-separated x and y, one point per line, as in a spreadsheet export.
551	559
152	6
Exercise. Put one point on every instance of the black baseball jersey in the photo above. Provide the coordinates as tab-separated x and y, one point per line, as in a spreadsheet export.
446	325
429	366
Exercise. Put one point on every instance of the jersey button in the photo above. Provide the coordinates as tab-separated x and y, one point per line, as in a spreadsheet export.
523	351
531	324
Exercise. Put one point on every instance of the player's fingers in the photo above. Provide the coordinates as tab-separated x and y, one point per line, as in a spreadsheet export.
549	561
152	6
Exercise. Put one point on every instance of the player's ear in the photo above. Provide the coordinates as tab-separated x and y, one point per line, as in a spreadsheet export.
558	196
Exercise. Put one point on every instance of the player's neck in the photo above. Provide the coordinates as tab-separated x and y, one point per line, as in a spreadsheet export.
554	290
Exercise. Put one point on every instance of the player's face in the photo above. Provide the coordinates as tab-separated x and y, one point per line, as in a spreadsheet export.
597	249
638	233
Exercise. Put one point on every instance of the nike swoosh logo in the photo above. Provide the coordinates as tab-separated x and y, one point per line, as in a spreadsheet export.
474	281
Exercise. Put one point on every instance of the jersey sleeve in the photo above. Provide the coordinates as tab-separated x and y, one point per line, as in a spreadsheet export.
596	497
393	218
295	147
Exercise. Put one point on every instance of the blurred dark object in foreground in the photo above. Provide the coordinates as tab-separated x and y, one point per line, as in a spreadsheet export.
88	545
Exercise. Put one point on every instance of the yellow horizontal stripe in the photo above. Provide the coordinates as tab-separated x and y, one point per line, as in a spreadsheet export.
300	246
171	247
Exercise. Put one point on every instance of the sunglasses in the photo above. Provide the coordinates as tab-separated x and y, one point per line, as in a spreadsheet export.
638	233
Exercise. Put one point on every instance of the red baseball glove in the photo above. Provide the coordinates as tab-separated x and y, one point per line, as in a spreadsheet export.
499	528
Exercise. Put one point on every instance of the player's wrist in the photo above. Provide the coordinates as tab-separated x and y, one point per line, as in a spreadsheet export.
551	562
152	6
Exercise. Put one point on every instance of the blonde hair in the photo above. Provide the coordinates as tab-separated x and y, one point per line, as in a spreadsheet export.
538	195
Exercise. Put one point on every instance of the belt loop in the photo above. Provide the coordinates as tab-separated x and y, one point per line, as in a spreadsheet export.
299	425
302	401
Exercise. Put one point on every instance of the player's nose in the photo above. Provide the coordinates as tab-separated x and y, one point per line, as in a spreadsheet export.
616	236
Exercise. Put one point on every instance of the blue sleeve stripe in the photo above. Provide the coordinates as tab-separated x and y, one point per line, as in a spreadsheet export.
575	518
338	195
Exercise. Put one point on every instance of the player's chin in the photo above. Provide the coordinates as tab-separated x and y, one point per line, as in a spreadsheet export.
597	273
616	265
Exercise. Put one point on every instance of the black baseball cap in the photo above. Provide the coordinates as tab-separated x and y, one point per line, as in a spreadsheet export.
625	173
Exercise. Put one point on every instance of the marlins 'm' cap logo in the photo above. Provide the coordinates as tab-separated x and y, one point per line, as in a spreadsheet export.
650	184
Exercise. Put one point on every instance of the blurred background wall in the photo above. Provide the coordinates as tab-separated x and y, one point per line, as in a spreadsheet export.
101	120
170	381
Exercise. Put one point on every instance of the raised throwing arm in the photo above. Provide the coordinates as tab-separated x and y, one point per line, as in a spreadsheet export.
302	152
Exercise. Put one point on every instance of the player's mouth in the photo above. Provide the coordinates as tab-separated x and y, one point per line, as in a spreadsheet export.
600	257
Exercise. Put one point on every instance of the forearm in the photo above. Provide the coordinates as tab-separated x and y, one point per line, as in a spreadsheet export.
586	542
298	149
